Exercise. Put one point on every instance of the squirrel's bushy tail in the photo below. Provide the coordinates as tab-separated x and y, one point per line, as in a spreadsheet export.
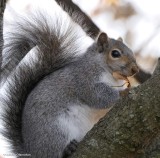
1	44
28	14
45	47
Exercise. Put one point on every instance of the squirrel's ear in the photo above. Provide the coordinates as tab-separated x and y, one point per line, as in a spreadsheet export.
120	39
102	42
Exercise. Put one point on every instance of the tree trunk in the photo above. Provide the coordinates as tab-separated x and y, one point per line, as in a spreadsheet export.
131	129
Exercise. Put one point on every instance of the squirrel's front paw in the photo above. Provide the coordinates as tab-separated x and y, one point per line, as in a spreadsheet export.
70	148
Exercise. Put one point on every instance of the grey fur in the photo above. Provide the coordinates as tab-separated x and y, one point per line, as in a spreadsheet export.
43	96
52	52
12	58
76	84
56	84
24	40
31	125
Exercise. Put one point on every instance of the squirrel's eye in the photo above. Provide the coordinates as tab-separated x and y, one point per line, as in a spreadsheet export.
115	54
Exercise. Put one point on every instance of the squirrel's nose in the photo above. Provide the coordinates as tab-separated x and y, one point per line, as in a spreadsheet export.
134	70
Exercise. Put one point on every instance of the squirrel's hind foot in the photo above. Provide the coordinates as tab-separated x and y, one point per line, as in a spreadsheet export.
70	148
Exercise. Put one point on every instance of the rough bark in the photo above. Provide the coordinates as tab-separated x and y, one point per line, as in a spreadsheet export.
131	129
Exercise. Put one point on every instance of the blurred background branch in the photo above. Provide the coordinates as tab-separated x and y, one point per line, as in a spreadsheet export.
2	6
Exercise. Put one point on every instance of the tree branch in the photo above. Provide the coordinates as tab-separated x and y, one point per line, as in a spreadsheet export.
2	6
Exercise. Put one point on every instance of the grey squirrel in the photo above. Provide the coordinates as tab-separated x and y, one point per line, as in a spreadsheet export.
54	96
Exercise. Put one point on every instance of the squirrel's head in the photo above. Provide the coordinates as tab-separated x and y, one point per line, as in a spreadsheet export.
119	58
